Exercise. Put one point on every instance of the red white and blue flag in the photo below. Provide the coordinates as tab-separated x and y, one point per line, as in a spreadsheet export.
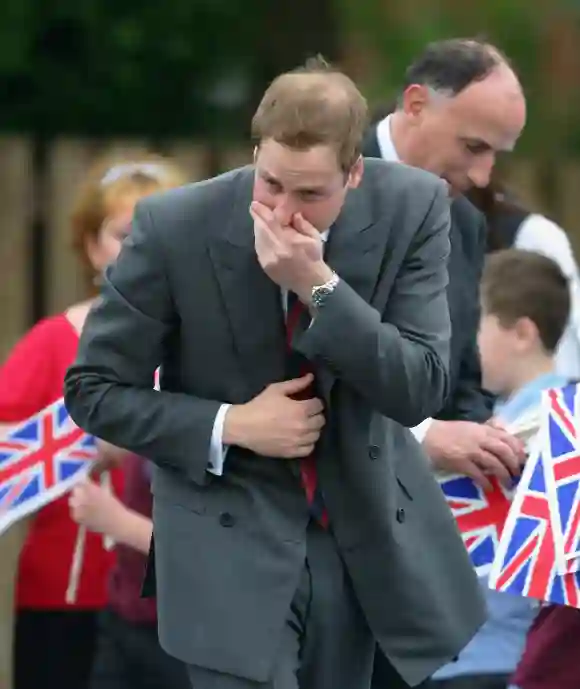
480	516
525	562
561	458
40	460
539	552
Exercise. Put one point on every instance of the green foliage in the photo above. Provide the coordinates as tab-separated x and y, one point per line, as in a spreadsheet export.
129	66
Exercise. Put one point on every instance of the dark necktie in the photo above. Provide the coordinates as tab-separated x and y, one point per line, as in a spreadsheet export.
298	319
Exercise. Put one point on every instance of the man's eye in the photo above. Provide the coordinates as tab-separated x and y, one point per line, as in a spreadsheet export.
477	148
274	186
310	195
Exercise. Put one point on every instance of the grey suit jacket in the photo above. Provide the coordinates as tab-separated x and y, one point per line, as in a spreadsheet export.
187	291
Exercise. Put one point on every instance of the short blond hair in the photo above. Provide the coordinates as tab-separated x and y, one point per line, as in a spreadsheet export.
110	178
314	105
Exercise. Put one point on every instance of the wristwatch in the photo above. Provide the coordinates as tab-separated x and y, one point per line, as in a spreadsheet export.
321	292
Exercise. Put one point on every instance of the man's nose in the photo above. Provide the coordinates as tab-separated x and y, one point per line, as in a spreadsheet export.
480	172
284	210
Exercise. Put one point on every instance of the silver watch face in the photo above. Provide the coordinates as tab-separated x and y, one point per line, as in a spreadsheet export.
320	294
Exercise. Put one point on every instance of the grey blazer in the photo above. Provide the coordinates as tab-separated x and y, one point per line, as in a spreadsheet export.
187	291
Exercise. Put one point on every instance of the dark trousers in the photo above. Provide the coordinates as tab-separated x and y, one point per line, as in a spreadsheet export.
129	656
326	642
53	648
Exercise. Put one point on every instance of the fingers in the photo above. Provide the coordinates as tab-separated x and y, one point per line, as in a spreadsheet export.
499	447
101	465
265	220
517	446
265	237
291	387
498	429
312	407
489	464
475	473
315	423
309	439
80	489
301	451
304	227
261	211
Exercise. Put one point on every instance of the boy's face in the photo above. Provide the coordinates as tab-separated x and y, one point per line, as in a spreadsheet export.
495	347
504	350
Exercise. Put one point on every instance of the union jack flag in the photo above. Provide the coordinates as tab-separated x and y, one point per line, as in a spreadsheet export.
525	562
562	468
40	460
480	516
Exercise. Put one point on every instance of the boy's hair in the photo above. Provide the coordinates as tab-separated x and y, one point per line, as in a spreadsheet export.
314	105
524	284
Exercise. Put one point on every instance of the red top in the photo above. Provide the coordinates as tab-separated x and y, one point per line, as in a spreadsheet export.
550	659
31	379
129	570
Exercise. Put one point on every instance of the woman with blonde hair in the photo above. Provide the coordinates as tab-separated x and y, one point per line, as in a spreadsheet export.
56	602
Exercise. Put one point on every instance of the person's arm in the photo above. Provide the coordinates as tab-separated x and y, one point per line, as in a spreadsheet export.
468	401
133	529
397	361
108	390
97	509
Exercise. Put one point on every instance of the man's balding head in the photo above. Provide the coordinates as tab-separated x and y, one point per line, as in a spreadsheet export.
448	67
461	104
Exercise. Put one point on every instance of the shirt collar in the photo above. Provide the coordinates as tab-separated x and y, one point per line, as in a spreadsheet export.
528	396
385	141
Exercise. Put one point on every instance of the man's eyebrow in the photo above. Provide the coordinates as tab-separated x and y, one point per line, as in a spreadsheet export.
311	190
268	176
300	190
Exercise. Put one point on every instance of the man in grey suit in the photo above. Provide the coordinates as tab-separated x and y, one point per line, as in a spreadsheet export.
295	516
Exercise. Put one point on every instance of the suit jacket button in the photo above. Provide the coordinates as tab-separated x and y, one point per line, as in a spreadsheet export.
374	451
227	519
400	515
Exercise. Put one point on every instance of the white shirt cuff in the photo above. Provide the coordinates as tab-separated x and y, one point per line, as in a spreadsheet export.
218	451
420	431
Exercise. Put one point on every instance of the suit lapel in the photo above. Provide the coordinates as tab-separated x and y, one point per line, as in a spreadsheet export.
358	241
250	299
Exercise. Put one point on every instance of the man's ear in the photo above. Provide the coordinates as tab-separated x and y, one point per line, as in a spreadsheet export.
355	174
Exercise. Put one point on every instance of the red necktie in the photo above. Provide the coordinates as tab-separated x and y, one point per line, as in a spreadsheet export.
298	366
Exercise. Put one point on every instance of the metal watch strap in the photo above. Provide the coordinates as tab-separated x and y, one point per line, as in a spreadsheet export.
321	292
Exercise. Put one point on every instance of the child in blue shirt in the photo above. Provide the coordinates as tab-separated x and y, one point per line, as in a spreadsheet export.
525	309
